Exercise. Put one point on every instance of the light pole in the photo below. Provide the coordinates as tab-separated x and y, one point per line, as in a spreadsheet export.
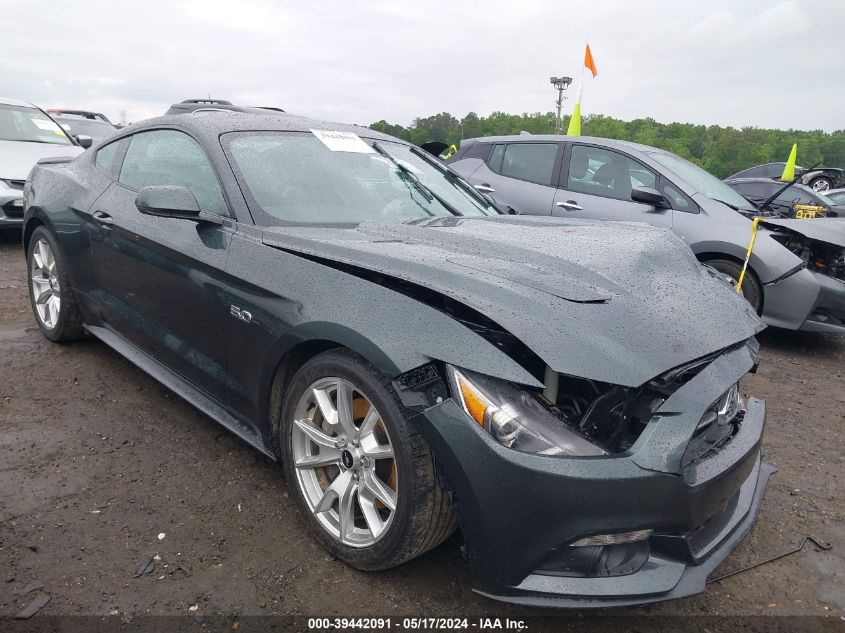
560	84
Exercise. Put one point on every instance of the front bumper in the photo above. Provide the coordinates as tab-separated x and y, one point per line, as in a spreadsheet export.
516	510
806	301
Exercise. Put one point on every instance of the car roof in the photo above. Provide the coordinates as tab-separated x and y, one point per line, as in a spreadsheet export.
15	102
557	138
213	123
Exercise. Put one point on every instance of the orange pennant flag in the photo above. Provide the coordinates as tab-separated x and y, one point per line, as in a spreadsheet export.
589	62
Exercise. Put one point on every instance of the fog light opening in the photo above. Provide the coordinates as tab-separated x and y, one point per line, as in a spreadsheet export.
612	539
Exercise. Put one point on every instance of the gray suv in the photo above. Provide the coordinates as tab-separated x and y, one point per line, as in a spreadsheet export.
796	276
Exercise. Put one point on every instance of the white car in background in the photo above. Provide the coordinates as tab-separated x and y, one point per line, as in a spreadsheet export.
27	134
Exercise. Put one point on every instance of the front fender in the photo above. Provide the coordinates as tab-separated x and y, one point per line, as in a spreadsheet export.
770	260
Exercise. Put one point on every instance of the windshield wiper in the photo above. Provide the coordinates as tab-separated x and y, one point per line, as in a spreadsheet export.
450	173
727	204
427	193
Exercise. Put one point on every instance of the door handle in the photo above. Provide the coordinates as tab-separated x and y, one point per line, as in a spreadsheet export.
570	205
102	218
484	188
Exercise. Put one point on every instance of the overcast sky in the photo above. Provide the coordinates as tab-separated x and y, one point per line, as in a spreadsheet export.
750	63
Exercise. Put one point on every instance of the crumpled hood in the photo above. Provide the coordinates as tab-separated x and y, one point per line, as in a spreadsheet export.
615	302
830	230
17	158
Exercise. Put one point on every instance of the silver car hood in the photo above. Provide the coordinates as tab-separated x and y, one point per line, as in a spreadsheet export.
17	158
615	302
830	230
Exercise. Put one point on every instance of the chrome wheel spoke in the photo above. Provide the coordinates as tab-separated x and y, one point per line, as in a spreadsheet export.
326	457
333	492
370	512
379	489
344	409
315	434
42	292
369	424
346	509
380	451
324	402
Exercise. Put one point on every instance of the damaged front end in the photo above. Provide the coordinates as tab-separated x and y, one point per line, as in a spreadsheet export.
819	281
583	493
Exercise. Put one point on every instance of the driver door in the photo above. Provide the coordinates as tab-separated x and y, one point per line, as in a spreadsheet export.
160	280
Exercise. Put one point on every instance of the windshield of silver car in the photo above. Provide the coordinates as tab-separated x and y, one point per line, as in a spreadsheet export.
700	180
325	177
19	123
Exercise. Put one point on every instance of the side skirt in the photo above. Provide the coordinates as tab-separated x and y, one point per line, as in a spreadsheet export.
180	387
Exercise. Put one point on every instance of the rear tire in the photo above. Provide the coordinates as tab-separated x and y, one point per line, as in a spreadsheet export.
752	290
373	536
821	183
50	292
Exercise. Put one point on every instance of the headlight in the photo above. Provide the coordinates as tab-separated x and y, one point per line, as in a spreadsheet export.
514	417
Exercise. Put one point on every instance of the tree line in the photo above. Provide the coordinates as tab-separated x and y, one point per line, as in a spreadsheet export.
720	150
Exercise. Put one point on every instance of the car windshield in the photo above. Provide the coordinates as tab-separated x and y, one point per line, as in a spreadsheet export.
299	178
87	127
700	180
19	123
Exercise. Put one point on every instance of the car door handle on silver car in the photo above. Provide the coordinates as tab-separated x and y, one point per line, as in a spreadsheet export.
485	188
570	205
102	218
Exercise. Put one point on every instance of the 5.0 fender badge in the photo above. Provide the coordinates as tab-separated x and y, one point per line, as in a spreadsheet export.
242	315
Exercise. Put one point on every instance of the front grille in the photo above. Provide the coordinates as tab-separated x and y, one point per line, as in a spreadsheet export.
12	210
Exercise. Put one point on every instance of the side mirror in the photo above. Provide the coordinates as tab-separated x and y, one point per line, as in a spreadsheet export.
84	141
647	195
169	201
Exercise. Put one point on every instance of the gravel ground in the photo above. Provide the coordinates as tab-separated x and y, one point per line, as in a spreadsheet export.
102	470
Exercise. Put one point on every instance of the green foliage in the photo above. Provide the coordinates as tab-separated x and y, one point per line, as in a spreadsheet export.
720	150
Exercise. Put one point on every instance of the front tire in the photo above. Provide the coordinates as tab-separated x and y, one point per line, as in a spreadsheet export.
362	477
50	293
751	288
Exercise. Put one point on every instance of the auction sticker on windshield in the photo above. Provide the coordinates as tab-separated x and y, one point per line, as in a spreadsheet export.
343	141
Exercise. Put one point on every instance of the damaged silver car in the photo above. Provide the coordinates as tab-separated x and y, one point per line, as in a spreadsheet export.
604	179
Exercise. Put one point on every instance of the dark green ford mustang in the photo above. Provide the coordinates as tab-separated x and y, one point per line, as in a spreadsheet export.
564	393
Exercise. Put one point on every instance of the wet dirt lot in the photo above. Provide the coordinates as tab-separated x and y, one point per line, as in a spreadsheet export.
98	461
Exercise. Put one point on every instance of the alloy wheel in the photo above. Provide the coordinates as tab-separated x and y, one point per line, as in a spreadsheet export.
344	461
821	185
46	290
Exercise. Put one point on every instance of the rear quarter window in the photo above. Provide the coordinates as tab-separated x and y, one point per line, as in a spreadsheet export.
109	158
532	162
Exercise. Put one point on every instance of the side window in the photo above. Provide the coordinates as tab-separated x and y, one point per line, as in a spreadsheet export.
168	157
108	157
793	195
678	199
602	172
495	160
533	162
